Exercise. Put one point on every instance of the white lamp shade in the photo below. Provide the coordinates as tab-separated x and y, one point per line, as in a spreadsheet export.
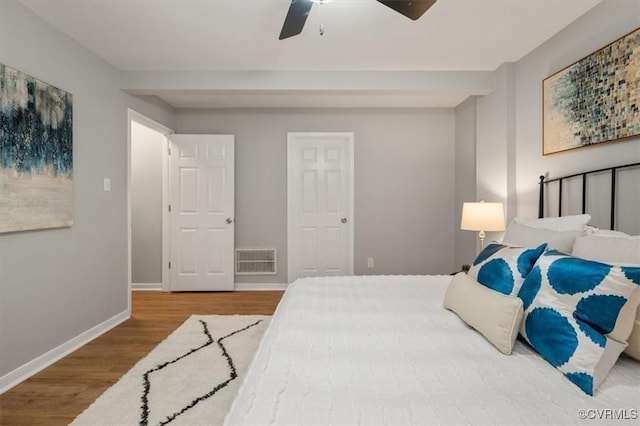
482	216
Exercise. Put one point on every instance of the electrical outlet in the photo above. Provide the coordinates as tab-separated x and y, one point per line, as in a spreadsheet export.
370	262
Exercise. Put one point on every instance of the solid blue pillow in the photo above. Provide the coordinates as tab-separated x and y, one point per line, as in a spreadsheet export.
503	268
571	305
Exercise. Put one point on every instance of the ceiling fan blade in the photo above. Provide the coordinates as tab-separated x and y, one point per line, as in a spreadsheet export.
411	9
296	17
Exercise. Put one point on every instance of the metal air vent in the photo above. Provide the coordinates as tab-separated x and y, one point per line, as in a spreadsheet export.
256	261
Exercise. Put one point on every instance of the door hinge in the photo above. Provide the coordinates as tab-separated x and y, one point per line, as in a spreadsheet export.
169	208
169	265
169	150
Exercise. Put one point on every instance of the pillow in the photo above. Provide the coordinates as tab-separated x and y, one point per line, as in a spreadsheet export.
632	321
563	223
608	248
521	235
503	268
633	350
619	248
496	316
572	307
590	230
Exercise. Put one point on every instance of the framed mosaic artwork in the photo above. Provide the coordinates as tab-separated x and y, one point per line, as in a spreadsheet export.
36	153
594	100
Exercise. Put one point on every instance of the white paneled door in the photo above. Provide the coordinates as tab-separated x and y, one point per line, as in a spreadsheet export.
320	204
202	212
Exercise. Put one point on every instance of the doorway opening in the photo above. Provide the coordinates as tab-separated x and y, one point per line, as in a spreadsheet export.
148	194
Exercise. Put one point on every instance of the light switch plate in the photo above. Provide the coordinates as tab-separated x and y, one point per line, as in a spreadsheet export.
107	184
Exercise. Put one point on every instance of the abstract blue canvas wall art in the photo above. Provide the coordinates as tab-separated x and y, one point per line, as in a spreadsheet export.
595	100
36	153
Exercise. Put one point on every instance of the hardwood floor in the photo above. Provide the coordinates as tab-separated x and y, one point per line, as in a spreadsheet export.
58	394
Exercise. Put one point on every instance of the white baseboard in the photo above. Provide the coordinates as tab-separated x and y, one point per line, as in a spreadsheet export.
146	286
32	367
237	287
260	286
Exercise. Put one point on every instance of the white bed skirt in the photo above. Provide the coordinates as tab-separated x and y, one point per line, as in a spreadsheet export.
383	351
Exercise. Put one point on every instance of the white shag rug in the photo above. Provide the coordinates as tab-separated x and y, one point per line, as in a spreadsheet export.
190	378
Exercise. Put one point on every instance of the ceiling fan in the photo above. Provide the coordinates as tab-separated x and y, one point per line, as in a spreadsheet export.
299	10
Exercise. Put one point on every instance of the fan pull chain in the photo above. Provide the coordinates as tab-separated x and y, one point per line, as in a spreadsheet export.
321	27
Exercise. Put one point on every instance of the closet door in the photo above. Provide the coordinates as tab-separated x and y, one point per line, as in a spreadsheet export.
320	204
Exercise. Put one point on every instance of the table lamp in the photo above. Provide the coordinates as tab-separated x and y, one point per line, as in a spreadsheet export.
481	216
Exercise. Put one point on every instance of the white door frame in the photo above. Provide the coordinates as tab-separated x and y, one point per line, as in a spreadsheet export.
166	131
291	138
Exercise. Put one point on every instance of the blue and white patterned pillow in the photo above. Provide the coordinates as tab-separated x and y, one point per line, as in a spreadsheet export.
571	304
503	268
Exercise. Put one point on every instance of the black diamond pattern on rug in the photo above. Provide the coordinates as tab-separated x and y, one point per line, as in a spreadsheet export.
216	387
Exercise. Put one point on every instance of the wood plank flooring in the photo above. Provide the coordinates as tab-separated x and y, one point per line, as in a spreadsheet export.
58	394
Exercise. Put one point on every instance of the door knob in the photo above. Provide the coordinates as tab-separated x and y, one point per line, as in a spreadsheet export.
343	220
229	220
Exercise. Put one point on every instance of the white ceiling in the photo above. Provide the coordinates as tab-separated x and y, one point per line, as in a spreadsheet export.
360	35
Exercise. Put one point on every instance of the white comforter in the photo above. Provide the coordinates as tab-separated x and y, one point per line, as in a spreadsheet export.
383	350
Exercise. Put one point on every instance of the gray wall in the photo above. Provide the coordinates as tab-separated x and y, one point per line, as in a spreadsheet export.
599	27
465	188
146	204
495	145
404	181
509	122
57	284
495	138
488	124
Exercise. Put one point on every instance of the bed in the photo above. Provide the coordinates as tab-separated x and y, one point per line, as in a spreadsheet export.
383	350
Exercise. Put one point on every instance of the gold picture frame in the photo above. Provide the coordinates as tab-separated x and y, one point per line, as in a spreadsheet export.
594	100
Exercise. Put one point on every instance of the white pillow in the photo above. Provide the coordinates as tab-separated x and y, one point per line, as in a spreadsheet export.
608	248
574	314
621	249
521	235
590	230
633	350
563	223
495	315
